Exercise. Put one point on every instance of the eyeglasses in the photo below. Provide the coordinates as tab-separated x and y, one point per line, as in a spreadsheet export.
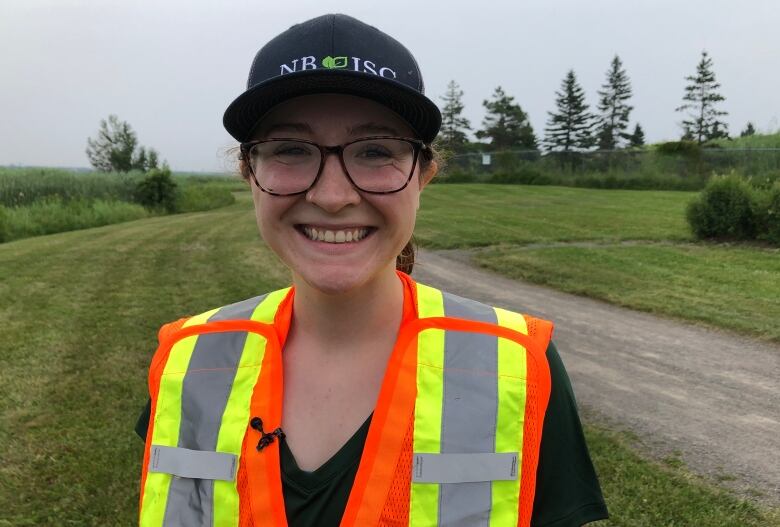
377	165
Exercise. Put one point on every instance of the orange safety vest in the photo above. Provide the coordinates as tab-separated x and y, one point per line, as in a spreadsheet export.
454	439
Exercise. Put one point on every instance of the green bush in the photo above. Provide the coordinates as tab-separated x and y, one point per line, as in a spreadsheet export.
768	213
684	148
193	198
157	190
3	224
456	176
522	176
726	209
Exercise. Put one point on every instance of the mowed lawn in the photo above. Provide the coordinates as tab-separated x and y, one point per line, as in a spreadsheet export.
631	248
476	215
80	312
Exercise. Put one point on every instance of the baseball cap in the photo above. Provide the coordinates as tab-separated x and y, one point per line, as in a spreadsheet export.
334	53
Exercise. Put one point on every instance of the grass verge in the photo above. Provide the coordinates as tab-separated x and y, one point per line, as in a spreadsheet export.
476	215
643	493
732	287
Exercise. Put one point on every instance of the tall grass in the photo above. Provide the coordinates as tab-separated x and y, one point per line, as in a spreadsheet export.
36	201
24	186
51	215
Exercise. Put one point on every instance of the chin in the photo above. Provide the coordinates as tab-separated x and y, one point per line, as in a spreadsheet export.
338	281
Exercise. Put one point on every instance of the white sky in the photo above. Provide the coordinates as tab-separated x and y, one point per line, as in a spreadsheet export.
170	68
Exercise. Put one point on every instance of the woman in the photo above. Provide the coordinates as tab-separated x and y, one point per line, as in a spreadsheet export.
356	397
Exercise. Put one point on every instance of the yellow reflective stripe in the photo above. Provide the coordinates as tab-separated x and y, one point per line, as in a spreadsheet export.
236	414
424	506
266	311
505	495
167	421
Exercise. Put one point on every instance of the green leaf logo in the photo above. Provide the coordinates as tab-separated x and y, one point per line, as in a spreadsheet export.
334	62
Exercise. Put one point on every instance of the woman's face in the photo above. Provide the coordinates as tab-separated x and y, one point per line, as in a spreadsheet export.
333	204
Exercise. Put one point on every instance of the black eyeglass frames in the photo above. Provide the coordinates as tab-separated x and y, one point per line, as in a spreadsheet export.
289	166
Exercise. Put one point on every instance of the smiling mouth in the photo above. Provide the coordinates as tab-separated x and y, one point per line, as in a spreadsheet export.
335	236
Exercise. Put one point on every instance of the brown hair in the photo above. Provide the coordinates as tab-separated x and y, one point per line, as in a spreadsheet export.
405	261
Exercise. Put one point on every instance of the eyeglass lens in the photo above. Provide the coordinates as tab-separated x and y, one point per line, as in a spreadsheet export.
374	165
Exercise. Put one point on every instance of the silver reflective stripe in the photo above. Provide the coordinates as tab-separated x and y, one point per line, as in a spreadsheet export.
470	366
187	463
205	392
464	468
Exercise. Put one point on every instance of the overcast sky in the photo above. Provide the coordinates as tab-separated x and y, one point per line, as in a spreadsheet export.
170	68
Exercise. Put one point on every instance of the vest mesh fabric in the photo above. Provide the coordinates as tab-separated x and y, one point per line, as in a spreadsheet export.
396	510
244	505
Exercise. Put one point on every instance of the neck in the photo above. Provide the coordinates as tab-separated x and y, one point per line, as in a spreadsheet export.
344	321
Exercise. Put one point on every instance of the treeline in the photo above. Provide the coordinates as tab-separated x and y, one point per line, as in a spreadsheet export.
573	126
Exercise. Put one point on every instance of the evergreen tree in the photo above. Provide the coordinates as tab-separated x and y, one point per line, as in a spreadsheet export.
453	124
570	128
506	124
613	108
637	138
701	97
749	130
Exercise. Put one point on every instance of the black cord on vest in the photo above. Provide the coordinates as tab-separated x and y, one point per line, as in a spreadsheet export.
265	438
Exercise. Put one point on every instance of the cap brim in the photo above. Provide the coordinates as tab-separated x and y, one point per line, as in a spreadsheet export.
415	108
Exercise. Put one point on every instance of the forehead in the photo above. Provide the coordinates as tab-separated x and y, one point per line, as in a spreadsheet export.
331	114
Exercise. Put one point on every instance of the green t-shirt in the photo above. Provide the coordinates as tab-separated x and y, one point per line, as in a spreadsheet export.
567	490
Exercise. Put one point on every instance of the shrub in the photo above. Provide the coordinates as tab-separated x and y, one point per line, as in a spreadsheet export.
157	190
193	198
684	148
724	209
768	213
3	224
456	176
524	176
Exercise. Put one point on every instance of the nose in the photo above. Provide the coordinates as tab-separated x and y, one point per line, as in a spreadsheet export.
333	189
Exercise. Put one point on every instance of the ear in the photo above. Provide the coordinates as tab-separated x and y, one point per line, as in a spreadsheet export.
427	176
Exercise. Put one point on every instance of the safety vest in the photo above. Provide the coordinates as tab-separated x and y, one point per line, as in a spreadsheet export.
454	438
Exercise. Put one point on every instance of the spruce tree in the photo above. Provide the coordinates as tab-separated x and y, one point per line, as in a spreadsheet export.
570	128
613	109
749	130
453	124
637	138
701	97
506	124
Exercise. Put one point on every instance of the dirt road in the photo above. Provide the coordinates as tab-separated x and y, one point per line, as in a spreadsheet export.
710	396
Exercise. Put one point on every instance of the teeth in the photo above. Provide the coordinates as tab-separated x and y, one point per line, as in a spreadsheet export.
327	236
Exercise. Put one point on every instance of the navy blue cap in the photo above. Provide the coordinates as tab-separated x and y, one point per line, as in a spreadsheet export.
334	54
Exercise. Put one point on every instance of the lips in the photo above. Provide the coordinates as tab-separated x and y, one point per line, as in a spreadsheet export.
335	235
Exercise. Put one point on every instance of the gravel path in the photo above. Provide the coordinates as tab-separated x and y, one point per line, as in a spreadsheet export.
709	396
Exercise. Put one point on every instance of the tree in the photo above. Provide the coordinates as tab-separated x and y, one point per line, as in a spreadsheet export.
749	130
453	124
114	149
506	124
570	128
614	111
700	98
637	138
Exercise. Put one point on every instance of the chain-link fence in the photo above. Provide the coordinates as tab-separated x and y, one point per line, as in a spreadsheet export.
614	168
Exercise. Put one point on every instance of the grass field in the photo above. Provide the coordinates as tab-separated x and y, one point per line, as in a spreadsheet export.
81	310
631	248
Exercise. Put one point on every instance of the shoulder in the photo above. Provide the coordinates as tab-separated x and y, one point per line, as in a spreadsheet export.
257	308
568	492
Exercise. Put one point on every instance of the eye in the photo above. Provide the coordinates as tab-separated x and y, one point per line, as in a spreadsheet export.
292	150
374	151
